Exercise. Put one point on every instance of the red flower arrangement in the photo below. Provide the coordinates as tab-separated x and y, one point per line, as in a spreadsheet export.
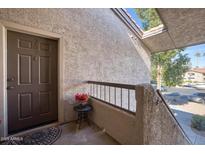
83	98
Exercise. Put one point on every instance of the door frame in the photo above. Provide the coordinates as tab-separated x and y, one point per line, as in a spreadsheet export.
4	27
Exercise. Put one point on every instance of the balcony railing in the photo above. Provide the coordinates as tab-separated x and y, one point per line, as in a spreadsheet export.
150	121
119	95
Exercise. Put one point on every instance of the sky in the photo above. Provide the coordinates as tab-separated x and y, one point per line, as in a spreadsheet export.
134	16
191	51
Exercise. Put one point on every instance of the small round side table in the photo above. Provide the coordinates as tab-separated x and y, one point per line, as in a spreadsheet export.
83	111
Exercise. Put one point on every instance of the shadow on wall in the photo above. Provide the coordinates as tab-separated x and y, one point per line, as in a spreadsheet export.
142	50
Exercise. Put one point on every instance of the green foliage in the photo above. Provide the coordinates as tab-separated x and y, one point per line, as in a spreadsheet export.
174	71
174	65
164	58
188	81
149	17
154	72
198	122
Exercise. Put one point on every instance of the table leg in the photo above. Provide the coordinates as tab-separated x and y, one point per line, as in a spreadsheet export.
80	119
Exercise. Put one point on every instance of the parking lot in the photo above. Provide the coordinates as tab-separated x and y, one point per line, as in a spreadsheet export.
185	102
183	90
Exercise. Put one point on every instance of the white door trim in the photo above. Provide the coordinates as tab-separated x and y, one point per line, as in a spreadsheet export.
4	26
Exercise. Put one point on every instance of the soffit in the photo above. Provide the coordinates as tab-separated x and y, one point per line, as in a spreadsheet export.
184	27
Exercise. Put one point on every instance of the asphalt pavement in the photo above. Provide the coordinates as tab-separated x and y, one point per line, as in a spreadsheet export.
185	109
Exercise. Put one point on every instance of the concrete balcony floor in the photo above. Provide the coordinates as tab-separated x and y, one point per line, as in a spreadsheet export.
86	135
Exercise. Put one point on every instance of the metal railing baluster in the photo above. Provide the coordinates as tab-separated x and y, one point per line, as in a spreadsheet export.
121	97
128	99
115	96
105	93
111	95
96	90
93	90
90	93
100	92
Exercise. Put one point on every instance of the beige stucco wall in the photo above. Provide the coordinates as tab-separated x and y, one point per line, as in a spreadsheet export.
117	123
153	122
97	46
183	27
195	77
159	124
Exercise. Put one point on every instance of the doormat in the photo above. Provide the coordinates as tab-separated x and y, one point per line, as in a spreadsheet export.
41	137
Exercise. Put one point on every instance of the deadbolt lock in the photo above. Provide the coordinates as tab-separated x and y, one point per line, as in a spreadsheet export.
10	79
10	87
35	58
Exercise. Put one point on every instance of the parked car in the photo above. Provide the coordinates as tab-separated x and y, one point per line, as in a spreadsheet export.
173	94
163	88
200	86
187	85
198	98
154	84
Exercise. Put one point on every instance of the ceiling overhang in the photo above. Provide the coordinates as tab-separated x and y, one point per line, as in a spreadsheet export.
182	28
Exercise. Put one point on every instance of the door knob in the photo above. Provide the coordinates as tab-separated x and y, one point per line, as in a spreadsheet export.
35	58
10	87
10	79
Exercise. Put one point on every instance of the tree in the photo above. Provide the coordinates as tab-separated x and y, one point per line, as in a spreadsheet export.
168	66
204	54
158	61
197	55
174	71
149	18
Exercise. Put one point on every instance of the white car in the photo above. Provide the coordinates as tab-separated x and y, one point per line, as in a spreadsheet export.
163	88
199	86
198	98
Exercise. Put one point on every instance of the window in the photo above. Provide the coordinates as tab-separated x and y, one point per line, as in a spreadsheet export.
145	18
191	78
191	74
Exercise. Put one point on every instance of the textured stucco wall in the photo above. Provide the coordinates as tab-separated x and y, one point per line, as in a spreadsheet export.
97	46
153	122
159	125
117	123
194	76
184	27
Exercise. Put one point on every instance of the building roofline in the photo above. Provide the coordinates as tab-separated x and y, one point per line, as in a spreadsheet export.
200	70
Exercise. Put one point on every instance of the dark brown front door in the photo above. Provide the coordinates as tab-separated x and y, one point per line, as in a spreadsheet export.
31	81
